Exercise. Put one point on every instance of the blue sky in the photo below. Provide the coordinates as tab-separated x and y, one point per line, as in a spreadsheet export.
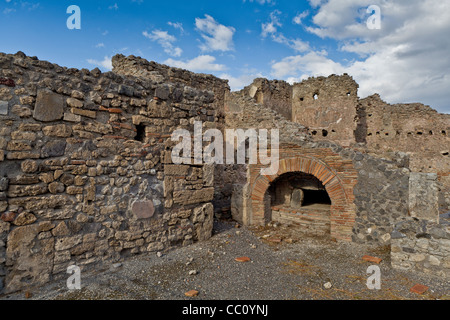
406	60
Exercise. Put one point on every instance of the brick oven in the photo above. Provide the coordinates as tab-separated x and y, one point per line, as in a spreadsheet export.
313	189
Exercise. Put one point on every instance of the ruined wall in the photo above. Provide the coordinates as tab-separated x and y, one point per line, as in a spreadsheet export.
327	106
413	128
381	192
274	94
85	169
422	245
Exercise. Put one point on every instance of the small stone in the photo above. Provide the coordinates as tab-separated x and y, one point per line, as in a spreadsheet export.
159	254
327	285
24	219
243	259
372	259
117	265
193	272
419	289
192	293
74	103
8	216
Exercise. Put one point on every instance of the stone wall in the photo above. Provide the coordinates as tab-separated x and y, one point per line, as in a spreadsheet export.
413	128
381	192
423	246
85	170
327	106
274	94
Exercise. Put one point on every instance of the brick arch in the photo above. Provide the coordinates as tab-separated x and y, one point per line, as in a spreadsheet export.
342	212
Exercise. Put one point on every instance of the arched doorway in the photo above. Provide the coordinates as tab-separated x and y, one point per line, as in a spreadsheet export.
338	186
300	199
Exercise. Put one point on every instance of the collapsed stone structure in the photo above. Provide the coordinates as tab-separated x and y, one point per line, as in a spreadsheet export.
86	175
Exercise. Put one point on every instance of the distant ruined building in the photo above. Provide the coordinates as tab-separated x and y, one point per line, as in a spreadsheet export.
86	175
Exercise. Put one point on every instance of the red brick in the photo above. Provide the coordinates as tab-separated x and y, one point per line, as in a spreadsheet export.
419	289
243	259
372	259
192	293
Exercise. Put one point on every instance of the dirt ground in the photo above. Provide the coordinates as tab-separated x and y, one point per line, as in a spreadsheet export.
283	265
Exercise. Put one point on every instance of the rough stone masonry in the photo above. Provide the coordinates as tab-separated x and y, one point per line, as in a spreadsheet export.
86	176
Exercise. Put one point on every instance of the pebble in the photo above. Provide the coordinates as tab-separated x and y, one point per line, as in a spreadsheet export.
193	272
327	285
159	254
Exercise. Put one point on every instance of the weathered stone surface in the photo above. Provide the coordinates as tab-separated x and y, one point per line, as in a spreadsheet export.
193	196
54	148
31	265
60	130
56	187
22	112
26	190
176	170
143	209
25	218
49	106
3	108
74	103
85	113
4	182
203	218
67	242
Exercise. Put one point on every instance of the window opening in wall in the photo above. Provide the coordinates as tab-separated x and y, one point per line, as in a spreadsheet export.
397	132
430	132
301	99
445	153
443	132
386	134
140	134
314	132
324	133
419	133
369	134
348	94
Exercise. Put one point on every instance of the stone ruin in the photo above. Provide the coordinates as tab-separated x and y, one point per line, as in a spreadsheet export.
86	175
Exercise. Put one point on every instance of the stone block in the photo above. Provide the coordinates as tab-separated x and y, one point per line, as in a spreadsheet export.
70	117
60	131
176	170
143	209
49	106
55	148
3	108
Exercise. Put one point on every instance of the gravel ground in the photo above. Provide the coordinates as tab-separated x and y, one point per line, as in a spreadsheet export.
284	266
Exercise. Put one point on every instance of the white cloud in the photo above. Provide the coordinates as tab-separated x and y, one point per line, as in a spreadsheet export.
262	2
299	17
217	36
237	83
271	26
100	45
114	6
202	63
165	40
105	64
301	66
405	61
176	25
295	44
